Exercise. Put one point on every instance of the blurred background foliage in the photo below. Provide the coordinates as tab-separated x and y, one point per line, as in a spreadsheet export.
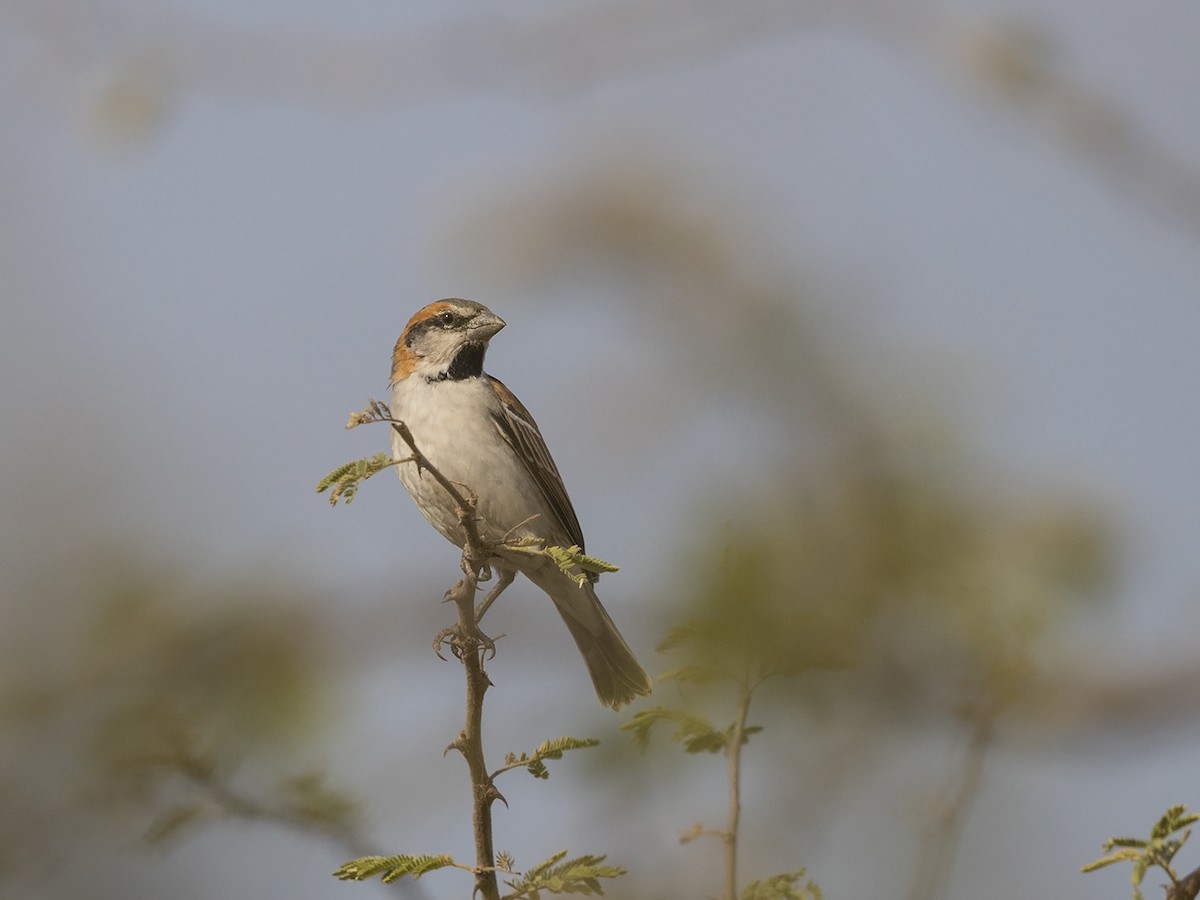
194	653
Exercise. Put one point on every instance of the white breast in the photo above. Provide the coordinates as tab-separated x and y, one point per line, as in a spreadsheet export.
452	424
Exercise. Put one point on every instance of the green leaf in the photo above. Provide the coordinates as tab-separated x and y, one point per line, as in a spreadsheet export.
309	798
695	733
1126	842
580	875
1139	872
1126	855
344	480
585	562
391	868
1167	823
782	887
1168	849
694	675
574	562
551	749
746	732
1159	850
556	747
676	635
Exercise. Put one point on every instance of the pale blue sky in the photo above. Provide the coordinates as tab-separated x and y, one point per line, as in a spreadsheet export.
189	318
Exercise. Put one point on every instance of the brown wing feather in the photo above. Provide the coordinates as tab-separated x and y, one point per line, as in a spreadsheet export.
518	428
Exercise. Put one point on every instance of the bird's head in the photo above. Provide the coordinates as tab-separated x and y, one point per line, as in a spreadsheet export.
445	341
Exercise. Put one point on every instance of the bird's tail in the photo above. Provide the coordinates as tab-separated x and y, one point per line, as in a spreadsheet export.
616	674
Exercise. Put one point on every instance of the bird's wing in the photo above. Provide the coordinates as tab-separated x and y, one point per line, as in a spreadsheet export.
521	433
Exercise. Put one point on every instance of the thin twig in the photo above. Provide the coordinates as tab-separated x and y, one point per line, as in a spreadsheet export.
240	806
474	548
733	756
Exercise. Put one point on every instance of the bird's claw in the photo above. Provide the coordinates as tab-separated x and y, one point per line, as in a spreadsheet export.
446	635
460	644
485	643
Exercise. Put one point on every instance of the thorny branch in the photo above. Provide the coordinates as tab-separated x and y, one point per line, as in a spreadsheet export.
469	645
475	553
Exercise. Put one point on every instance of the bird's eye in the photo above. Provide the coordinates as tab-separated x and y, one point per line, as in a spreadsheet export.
447	318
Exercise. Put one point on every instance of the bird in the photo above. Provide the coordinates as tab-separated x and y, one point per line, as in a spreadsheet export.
476	432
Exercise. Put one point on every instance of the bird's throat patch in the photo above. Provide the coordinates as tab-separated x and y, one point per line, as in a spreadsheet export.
467	363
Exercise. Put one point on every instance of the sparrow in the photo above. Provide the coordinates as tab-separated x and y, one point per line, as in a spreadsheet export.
476	432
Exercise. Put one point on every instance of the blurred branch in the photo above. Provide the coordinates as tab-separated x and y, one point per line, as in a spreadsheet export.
704	670
939	847
305	804
1154	691
1014	64
168	705
575	48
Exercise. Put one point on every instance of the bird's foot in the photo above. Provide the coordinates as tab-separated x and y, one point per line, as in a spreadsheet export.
461	643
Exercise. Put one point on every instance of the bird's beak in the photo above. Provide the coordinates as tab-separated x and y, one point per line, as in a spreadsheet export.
484	326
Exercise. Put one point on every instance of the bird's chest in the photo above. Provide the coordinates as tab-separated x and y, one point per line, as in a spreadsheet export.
453	426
